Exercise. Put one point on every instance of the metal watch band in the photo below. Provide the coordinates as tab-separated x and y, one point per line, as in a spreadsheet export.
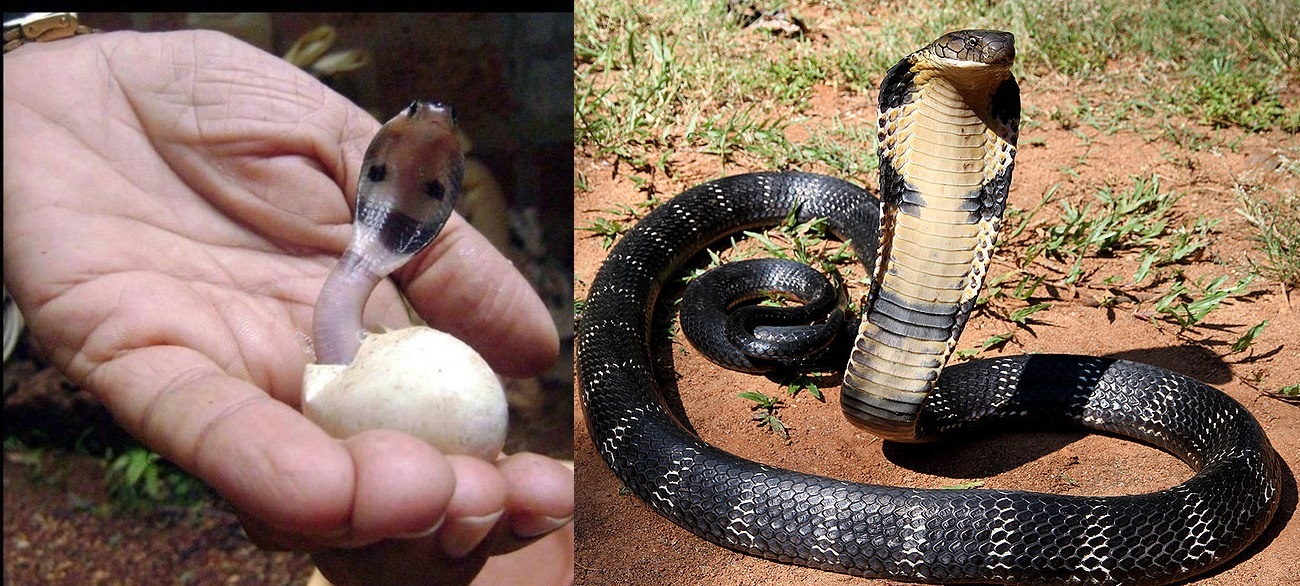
42	27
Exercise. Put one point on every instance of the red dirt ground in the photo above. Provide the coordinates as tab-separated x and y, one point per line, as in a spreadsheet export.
620	541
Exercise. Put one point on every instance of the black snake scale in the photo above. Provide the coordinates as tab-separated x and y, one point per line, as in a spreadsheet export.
931	535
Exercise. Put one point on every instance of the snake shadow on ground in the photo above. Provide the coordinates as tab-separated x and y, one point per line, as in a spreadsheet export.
974	455
983	454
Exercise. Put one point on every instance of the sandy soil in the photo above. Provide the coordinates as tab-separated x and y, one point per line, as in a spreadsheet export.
620	541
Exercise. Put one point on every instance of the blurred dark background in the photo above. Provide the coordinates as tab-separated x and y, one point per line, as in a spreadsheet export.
509	76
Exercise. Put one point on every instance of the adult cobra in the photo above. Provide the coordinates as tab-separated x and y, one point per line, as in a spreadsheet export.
947	131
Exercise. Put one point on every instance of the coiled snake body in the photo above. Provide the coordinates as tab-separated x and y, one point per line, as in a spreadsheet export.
948	118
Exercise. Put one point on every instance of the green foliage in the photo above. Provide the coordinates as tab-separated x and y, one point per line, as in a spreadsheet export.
1270	29
731	131
764	409
848	150
1221	60
672	74
1127	219
803	382
1021	316
1277	235
1185	244
140	481
1026	287
1248	339
607	229
625	216
1187	308
1239	98
805	242
989	342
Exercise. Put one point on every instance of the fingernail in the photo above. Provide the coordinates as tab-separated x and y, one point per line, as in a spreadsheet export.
529	526
426	532
462	535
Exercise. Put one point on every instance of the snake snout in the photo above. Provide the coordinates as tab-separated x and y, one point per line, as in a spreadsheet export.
976	47
430	109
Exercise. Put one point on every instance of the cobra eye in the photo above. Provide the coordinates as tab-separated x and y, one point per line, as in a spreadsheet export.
435	190
377	173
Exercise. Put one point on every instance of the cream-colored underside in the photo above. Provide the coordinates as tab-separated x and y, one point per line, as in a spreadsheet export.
934	256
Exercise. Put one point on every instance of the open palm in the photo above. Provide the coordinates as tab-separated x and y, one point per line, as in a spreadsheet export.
169	220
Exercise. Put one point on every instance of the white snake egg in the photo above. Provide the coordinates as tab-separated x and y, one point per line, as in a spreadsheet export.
417	380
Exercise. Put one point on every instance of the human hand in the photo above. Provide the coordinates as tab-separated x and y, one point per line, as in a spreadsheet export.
173	203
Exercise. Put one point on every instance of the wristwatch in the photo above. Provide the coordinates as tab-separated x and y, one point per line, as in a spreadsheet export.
42	27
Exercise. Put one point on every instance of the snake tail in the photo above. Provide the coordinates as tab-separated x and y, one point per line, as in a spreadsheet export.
949	116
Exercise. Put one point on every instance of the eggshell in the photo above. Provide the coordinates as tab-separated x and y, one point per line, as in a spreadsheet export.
418	380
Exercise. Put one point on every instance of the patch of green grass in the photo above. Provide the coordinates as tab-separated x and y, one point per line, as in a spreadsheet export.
803	382
804	242
1277	236
1108	116
623	218
1270	29
847	149
1024	288
791	80
1122	220
1248	339
607	229
1140	218
764	409
1185	244
1234	97
140	481
989	342
1187	307
732	131
683	75
1021	316
1171	50
627	80
1063	36
680	74
1119	220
